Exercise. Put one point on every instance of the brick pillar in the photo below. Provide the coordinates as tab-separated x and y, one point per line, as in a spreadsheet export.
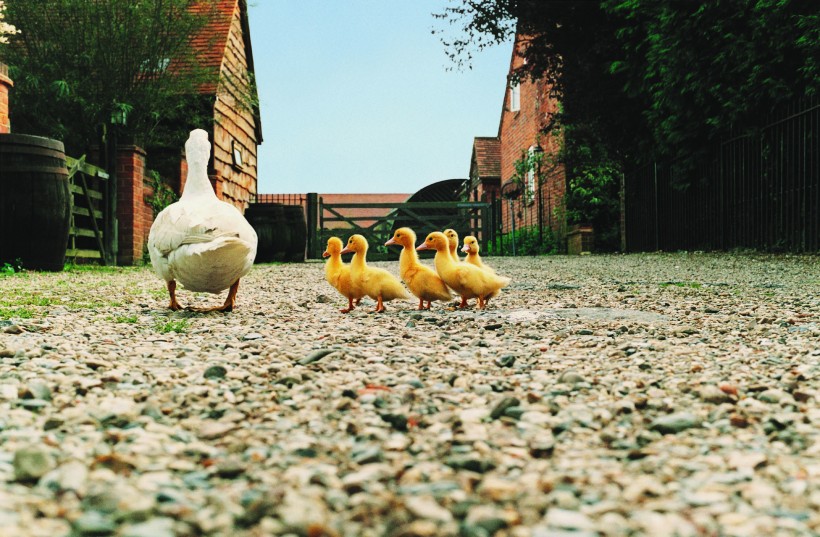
131	206
5	87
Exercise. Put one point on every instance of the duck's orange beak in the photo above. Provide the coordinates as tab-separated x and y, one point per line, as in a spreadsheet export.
466	249
347	250
422	246
325	254
391	242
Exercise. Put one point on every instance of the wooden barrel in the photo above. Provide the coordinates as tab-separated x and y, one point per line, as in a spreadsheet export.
268	219
35	202
295	220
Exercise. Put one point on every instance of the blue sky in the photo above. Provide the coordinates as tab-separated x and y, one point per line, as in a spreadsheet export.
356	96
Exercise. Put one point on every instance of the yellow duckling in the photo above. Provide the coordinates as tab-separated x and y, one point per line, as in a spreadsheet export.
421	279
467	280
374	282
337	273
452	237
471	248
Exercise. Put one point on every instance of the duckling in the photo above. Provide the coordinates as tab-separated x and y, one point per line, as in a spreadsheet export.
337	273
471	248
421	279
374	282
467	280
200	241
452	237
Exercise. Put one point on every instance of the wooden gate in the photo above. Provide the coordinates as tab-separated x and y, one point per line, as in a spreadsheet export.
467	218
86	238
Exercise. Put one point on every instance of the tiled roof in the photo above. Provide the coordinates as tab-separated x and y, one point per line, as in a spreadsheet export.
212	41
487	153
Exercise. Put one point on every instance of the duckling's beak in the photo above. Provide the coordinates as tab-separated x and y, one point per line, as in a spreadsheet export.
391	241
325	254
466	249
422	246
347	250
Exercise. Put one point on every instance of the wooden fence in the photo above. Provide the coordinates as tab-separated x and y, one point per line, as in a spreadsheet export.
467	218
87	239
758	191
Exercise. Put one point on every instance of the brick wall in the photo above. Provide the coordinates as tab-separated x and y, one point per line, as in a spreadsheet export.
519	131
133	213
5	87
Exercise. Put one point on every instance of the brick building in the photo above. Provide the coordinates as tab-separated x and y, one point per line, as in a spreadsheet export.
526	113
224	47
485	169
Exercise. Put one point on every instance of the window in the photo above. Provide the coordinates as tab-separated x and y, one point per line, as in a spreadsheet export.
515	97
236	153
530	190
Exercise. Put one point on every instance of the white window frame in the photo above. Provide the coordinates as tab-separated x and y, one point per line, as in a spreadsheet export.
530	190
515	96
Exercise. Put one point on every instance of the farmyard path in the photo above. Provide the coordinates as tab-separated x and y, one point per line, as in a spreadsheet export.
606	395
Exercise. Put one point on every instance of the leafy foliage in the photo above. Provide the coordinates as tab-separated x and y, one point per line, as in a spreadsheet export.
6	29
527	242
704	69
162	195
84	69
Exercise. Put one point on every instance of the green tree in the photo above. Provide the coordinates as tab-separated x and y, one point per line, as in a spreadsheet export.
705	69
643	80
86	69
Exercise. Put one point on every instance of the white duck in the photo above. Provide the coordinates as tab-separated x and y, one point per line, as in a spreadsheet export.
202	242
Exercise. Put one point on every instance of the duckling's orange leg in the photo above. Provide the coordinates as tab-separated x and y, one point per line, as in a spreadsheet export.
421	303
429	304
172	290
230	302
481	302
463	303
379	305
350	307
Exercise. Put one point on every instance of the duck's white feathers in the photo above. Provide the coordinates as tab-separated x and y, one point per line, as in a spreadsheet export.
205	245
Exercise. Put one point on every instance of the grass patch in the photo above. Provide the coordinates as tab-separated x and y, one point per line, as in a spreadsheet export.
690	285
28	300
98	269
15	313
126	319
179	326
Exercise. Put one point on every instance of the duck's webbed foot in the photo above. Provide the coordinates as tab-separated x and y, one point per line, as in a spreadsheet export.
350	307
172	291
228	306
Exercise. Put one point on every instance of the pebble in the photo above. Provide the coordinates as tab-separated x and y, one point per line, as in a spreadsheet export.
569	409
32	462
674	423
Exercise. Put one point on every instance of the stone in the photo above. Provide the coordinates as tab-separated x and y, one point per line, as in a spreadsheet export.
155	527
215	372
674	423
32	462
426	507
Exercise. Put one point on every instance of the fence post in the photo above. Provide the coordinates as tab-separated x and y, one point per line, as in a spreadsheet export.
486	215
312	217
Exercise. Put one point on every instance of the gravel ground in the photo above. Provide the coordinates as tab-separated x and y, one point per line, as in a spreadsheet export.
597	396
